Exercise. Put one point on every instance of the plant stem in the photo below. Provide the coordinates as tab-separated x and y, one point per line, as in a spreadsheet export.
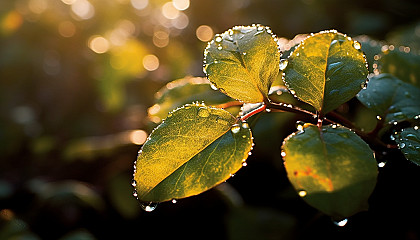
255	111
288	108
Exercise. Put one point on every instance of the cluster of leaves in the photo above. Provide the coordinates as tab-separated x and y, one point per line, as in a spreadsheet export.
330	163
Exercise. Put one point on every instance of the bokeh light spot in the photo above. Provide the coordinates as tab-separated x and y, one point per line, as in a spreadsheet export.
98	44
83	9
138	137
37	6
181	5
139	4
11	22
169	11
150	62
66	29
204	33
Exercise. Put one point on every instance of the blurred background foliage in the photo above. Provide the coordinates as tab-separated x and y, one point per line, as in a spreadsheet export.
77	78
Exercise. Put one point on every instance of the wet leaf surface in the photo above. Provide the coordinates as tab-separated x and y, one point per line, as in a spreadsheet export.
331	168
191	151
392	99
326	70
409	143
243	62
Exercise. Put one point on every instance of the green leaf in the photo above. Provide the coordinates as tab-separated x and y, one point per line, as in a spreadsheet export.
243	62
409	143
401	63
326	70
183	91
391	99
332	168
191	151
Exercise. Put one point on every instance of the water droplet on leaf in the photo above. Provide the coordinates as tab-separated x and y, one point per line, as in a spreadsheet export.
218	39
341	223
302	193
283	64
235	128
381	164
245	125
357	45
148	207
203	112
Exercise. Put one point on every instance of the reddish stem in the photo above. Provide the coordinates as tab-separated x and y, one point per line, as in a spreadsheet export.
253	112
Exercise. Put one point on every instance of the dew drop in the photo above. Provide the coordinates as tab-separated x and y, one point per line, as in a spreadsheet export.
299	125
381	164
244	164
334	126
357	45
244	53
134	183
302	193
203	112
218	39
235	128
416	128
213	87
219	47
148	207
417	117
283	154
249	153
392	137
268	110
402	145
363	85
379	118
173	200
283	64
245	125
292	92
341	223
135	194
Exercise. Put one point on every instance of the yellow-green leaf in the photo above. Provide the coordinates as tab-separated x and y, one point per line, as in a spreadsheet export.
243	62
332	168
182	91
326	70
191	151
